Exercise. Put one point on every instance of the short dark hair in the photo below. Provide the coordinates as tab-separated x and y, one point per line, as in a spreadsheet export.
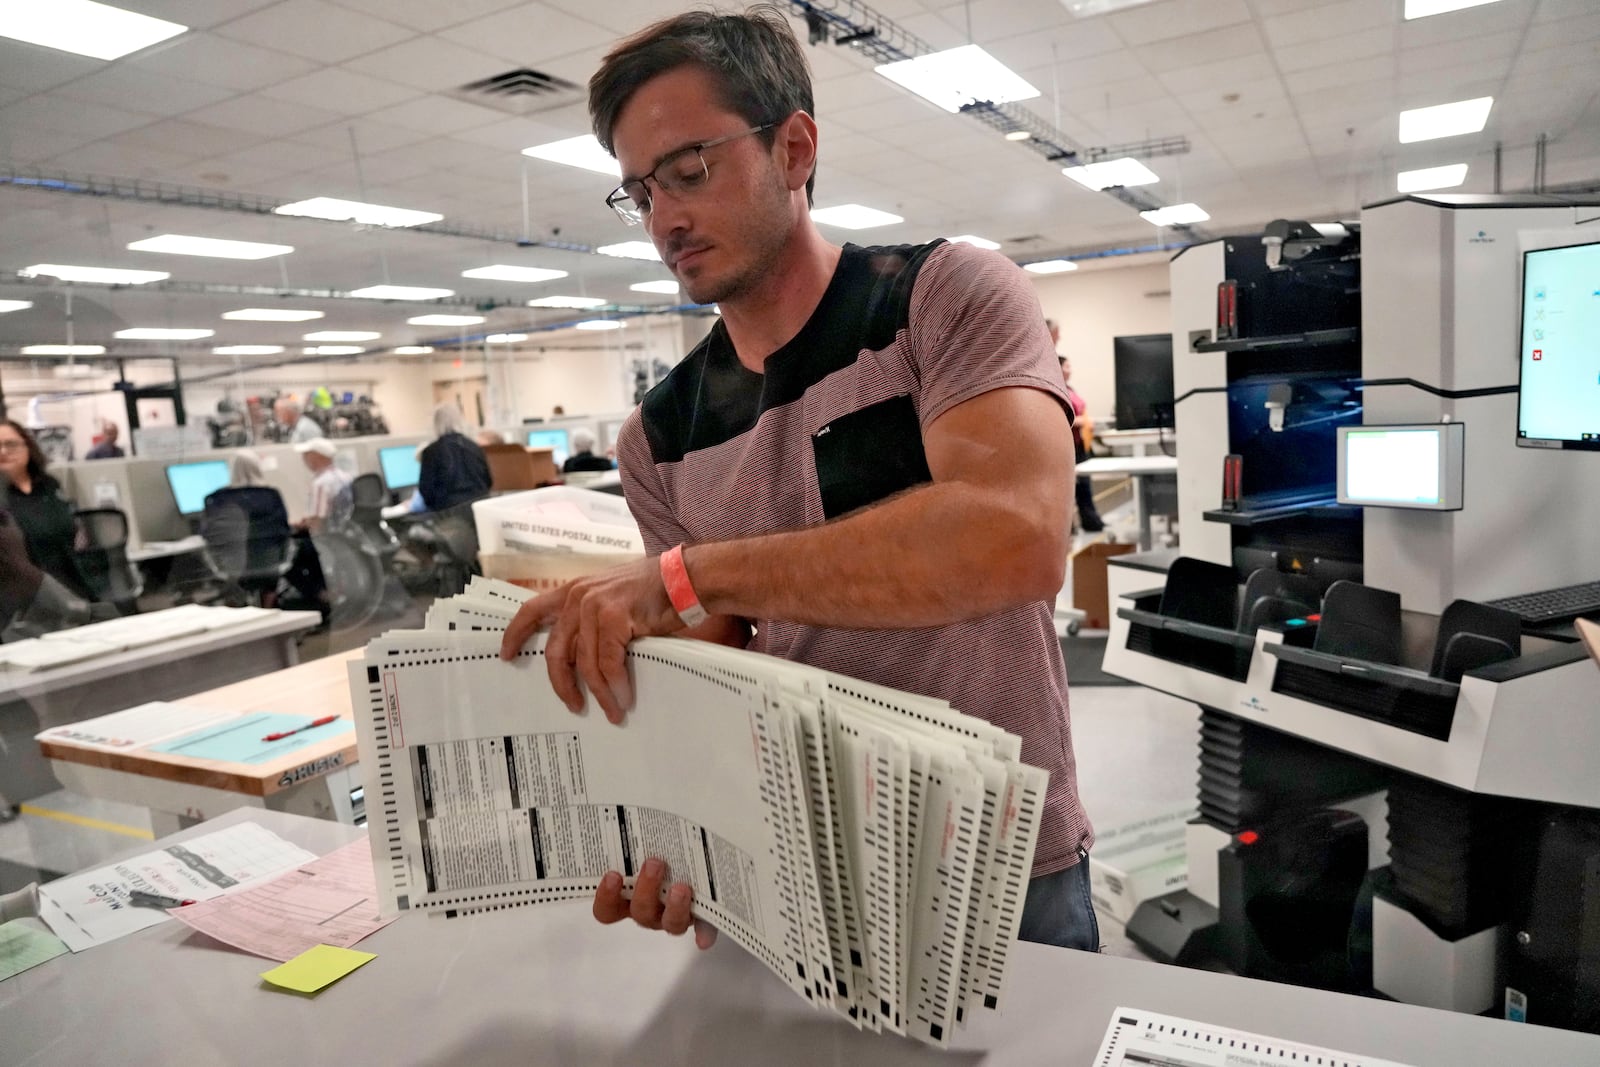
754	59
36	457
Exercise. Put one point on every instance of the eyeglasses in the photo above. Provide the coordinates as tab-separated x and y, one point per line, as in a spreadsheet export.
13	446
679	175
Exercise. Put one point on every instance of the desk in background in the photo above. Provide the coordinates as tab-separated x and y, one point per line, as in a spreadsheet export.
548	985
317	780
1140	442
31	701
1140	469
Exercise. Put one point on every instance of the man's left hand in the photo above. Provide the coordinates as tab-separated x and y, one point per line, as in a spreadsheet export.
595	618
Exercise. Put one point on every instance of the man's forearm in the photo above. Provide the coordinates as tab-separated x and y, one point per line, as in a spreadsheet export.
938	554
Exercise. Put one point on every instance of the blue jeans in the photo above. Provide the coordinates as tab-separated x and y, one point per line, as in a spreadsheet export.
1058	910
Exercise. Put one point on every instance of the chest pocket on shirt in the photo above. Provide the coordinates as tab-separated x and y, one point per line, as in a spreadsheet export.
868	455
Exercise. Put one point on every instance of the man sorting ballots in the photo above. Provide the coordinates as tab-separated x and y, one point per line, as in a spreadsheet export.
866	466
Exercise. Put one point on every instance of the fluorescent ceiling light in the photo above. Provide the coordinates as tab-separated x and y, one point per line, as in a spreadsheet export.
63	349
332	350
631	250
14	305
1050	266
505	338
1088	8
582	152
959	76
1421	9
1444	120
400	292
566	302
1110	173
445	320
853	217
343	335
413	350
247	350
1446	177
177	244
1018	135
271	315
1175	215
156	333
328	207
103	275
666	287
502	272
83	27
599	324
971	239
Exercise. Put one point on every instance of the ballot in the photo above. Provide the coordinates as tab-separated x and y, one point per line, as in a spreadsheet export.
871	847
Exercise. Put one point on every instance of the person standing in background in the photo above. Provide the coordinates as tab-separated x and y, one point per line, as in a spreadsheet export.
1082	438
34	500
106	447
302	427
454	470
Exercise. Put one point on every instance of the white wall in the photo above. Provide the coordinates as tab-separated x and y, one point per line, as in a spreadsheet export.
1094	306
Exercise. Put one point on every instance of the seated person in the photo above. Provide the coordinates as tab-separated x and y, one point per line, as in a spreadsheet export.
583	457
329	506
105	446
454	470
251	512
35	502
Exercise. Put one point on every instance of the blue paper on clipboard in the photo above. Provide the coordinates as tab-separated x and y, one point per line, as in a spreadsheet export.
240	740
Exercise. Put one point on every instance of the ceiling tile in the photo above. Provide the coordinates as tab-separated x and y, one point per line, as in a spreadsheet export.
437	115
113	158
428	63
199	14
994	21
1363	44
315	30
1176	18
1029	51
186	138
30	67
28	145
205	57
121	85
1217	78
427	15
1251	97
1331	80
354	93
1213	46
528	33
1503	18
1493	53
74	117
1542	35
263	115
1327	20
370	137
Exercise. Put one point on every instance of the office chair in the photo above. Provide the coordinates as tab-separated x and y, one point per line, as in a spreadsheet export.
101	543
366	516
450	537
248	542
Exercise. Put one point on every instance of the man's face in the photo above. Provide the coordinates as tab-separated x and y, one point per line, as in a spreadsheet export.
314	461
722	239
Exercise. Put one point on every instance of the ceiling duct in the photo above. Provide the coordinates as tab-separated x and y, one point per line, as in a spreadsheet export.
521	92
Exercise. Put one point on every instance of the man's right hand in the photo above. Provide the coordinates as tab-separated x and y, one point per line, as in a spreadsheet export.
645	907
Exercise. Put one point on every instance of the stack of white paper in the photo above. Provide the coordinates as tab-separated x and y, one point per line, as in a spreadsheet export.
870	846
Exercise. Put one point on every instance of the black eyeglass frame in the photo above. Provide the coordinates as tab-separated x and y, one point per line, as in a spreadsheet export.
635	215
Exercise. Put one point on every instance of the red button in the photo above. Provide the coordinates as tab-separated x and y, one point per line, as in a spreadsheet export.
1248	837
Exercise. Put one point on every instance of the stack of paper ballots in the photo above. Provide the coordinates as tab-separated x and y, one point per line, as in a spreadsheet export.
871	847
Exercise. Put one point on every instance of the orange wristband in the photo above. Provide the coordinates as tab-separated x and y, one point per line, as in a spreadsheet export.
675	576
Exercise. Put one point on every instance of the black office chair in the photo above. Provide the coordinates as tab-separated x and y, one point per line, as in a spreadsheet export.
1474	635
1360	622
370	496
101	547
450	537
248	541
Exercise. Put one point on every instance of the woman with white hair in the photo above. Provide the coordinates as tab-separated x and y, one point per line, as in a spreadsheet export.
583	457
454	470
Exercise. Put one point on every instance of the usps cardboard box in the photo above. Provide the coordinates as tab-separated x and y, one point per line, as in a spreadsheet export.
1136	861
557	519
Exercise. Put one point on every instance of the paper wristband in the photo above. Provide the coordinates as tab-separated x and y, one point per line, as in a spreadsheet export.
675	576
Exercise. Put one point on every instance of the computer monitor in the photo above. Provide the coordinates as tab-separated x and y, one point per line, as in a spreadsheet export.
1418	466
1143	382
1558	405
192	482
555	440
402	468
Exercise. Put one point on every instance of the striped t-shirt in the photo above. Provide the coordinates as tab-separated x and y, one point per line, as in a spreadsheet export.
718	452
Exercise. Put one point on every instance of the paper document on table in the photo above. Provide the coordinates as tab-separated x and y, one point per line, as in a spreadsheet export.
37	654
871	847
1143	1039
244	738
109	902
136	727
329	901
23	947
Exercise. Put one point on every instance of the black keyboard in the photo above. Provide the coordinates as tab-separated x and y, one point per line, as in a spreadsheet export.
1553	605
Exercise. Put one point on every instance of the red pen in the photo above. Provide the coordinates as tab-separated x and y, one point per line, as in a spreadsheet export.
325	720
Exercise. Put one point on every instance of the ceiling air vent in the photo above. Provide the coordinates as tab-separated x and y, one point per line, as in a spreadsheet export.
521	92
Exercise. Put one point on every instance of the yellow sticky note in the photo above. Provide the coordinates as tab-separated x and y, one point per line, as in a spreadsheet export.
316	967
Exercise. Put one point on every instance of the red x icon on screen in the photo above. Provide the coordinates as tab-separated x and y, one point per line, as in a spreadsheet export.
1538	353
